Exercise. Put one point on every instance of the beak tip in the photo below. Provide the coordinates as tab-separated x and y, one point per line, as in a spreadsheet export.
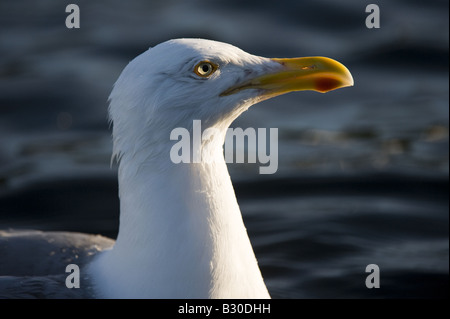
351	82
346	76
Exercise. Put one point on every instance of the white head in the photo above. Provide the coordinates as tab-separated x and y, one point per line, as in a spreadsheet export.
182	80
181	232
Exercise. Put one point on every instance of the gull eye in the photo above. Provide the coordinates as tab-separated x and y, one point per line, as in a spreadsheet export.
205	69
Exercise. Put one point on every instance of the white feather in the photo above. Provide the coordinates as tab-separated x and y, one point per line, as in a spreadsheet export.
181	231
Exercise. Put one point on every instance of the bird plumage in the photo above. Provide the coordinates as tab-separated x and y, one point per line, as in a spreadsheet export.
181	231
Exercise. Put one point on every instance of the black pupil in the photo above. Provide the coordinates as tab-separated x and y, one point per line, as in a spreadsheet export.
205	68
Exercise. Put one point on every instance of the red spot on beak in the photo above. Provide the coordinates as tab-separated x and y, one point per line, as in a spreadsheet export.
327	84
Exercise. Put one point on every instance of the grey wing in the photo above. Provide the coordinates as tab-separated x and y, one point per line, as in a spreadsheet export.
40	287
33	263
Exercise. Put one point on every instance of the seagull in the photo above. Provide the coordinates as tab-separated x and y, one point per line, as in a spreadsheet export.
181	232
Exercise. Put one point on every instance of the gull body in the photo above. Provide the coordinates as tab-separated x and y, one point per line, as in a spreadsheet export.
181	230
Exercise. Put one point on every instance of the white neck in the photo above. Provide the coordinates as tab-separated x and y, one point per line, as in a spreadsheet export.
181	233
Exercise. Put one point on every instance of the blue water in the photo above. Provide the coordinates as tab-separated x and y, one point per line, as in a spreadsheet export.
363	171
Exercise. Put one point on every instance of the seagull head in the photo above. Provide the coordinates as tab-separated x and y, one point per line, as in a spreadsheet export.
182	80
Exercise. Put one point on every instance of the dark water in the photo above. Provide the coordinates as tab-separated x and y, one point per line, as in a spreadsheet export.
363	172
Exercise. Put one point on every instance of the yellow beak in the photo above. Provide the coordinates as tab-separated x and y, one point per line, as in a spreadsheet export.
311	73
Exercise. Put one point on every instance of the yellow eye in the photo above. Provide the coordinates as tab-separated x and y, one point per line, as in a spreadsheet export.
205	69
